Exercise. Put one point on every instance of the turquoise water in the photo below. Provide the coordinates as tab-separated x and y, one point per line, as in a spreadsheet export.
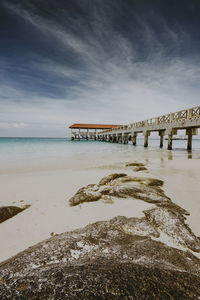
16	149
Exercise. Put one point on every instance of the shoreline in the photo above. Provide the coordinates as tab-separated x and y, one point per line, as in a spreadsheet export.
48	191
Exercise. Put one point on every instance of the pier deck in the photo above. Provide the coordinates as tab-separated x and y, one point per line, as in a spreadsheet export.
169	124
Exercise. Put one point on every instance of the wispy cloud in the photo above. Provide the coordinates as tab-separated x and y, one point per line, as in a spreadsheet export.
12	125
103	73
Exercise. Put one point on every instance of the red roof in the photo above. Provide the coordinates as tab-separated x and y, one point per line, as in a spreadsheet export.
93	126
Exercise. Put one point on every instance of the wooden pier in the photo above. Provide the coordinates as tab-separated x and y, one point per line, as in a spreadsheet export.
188	119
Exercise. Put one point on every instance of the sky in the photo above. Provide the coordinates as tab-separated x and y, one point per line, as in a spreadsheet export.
95	61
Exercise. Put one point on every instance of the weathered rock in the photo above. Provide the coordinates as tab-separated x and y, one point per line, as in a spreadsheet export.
139	227
111	177
7	212
175	208
123	258
135	164
172	224
94	192
85	194
145	193
121	185
165	216
138	169
101	261
143	180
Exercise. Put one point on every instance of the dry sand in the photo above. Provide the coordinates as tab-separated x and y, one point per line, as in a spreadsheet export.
48	186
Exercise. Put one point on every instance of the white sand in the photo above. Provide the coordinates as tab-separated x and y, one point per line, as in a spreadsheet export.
48	186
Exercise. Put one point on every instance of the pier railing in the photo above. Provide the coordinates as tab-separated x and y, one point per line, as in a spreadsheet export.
179	116
168	124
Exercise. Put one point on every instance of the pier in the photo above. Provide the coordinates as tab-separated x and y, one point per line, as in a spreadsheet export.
165	125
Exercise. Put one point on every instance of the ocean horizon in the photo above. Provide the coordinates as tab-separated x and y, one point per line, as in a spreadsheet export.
16	148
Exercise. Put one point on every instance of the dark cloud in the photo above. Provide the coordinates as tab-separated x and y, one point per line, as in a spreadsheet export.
97	60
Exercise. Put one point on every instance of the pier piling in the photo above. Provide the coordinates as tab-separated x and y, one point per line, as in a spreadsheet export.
189	142
161	139
146	136
134	139
190	132
170	138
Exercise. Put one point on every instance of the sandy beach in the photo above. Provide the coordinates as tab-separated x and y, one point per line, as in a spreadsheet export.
100	149
48	185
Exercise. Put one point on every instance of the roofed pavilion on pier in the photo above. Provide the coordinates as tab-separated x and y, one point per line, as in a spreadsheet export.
88	131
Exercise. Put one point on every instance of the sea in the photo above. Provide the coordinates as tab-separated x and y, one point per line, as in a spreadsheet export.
25	150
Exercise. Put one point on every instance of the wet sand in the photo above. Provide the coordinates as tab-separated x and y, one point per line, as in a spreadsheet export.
47	187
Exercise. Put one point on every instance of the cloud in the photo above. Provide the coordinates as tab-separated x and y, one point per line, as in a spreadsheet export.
12	125
4	125
100	73
19	125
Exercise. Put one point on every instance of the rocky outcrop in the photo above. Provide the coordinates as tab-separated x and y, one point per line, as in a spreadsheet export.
110	178
85	194
171	223
165	218
137	167
116	259
135	164
124	258
7	212
121	185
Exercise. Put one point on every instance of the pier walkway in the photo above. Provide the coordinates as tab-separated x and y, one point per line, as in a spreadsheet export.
169	124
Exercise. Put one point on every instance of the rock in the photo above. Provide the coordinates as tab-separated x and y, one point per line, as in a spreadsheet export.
138	169
135	164
142	180
140	192
7	212
94	192
111	177
123	258
104	260
172	224
85	194
139	227
165	217
174	207
123	186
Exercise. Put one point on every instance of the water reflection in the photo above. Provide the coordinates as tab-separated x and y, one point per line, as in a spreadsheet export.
169	155
162	162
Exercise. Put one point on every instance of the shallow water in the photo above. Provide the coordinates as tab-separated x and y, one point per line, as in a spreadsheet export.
28	151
